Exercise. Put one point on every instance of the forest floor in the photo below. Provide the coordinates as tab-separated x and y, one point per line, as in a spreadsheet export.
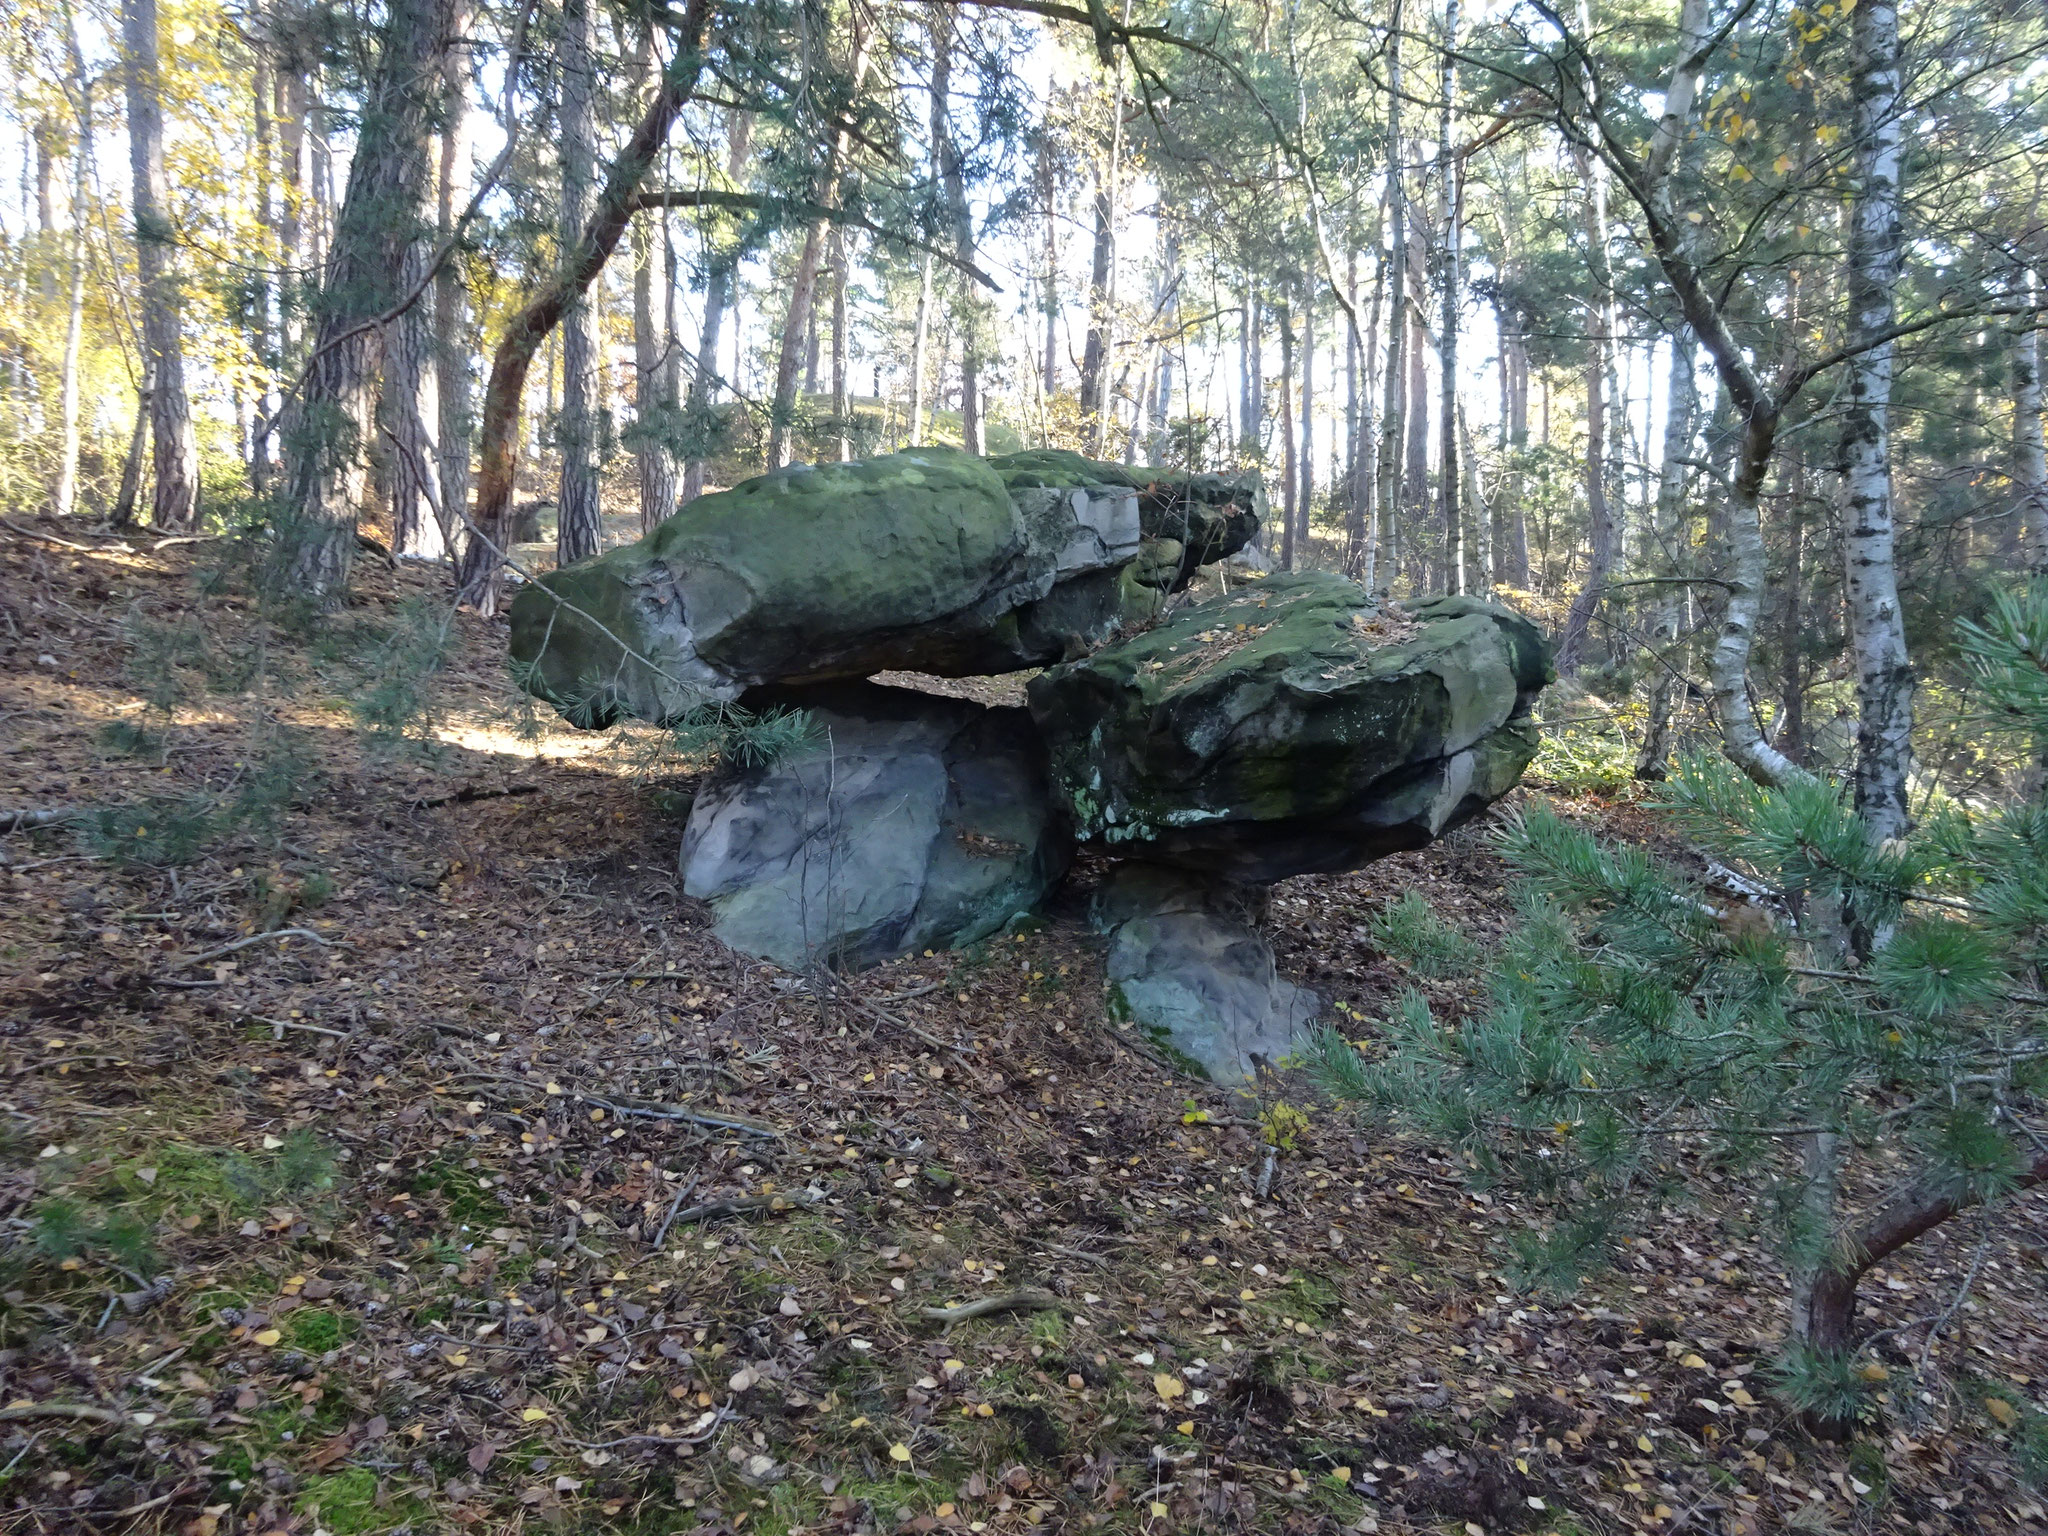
386	1144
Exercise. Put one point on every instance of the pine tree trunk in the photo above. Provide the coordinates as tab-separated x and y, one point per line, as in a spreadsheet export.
451	298
412	410
1451	480
1289	486
1251	378
953	178
1600	335
329	434
173	444
1048	185
1102	274
842	402
291	199
920	340
578	516
717	296
123	514
798	329
262	91
2030	458
1381	553
1884	675
654	404
498	442
64	496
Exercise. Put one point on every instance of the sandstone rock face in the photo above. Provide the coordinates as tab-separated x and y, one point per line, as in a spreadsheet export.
1292	726
1188	960
905	822
930	561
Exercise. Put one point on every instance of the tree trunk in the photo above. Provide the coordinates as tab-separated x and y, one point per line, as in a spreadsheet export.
262	91
1304	498
329	434
412	409
797	328
131	466
64	497
1102	272
952	177
498	446
291	199
842	404
920	340
578	518
1599	516
174	448
2030	456
717	296
1667	609
451	298
1381	552
1251	356
1048	186
1884	675
655	407
1288	483
1450	480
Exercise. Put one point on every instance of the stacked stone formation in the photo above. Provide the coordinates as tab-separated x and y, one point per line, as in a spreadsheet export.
1212	741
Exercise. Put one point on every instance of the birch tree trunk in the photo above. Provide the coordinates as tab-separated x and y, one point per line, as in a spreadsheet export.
328	437
1306	405
1884	675
2030	456
174	448
578	525
1048	185
262	92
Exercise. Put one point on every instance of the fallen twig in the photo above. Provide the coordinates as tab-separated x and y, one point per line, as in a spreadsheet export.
471	792
27	820
744	1203
119	548
85	1411
682	1191
279	1026
1027	1300
256	938
642	1108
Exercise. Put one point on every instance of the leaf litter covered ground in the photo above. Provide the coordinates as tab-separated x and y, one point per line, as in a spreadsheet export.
400	1152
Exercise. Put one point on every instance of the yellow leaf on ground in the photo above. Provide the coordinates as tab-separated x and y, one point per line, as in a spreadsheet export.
1693	1363
899	1452
1168	1387
1643	1443
2002	1411
533	1415
267	1337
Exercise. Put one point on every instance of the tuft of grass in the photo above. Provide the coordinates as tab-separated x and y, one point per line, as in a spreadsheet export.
314	1330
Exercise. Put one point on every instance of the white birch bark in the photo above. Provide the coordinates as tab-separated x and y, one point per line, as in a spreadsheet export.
1884	675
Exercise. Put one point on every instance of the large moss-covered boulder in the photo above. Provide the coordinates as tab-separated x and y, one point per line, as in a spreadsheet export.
930	560
904	822
1293	725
